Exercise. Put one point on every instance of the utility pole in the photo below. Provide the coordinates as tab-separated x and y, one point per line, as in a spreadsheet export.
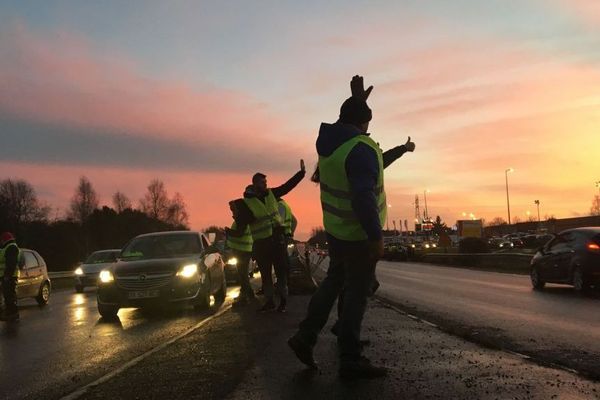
507	198
537	203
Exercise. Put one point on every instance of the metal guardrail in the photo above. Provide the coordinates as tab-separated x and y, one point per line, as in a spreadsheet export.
61	274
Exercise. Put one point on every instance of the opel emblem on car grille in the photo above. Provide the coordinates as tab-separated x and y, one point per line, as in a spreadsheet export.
142	277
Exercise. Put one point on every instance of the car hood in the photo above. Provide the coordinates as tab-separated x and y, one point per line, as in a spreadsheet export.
153	265
95	268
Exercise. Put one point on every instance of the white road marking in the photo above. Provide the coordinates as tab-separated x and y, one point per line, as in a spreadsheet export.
84	389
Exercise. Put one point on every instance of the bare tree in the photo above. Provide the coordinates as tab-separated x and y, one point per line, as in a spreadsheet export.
84	201
595	209
176	212
121	202
19	203
156	201
497	221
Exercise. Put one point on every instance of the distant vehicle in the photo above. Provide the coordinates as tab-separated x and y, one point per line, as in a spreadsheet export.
86	274
158	269
33	281
395	252
572	258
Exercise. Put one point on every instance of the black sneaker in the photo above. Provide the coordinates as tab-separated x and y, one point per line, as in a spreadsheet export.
282	305
360	368
303	351
268	306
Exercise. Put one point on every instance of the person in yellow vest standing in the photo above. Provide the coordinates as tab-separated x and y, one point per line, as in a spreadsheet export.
353	201
239	240
9	273
260	211
289	220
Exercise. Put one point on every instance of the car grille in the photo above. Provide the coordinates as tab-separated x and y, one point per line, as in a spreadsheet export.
143	281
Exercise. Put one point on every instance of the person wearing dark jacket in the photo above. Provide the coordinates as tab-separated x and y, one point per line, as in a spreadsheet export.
354	206
270	246
9	272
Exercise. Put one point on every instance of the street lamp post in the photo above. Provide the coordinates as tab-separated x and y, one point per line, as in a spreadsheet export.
598	186
426	216
507	198
537	203
387	217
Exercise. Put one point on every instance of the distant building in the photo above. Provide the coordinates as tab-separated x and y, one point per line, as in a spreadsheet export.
549	226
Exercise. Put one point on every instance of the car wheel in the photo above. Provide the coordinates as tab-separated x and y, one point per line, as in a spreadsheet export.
579	282
203	300
222	292
44	295
79	288
108	311
536	280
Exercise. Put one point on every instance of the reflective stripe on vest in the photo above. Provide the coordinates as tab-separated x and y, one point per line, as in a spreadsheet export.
241	243
266	214
339	218
3	259
286	215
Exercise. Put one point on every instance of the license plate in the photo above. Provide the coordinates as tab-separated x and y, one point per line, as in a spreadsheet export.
143	294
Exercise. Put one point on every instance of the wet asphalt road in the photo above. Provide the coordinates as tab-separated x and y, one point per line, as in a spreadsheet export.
56	349
501	310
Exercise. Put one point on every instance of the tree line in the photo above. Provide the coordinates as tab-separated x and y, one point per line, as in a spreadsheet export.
85	226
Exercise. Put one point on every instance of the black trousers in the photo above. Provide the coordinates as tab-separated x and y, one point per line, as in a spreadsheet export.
243	266
271	253
9	292
352	270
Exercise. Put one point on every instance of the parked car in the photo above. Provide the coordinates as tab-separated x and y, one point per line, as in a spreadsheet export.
86	274
572	258
158	269
33	281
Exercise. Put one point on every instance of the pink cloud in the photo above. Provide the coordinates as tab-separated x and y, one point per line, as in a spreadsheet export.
60	78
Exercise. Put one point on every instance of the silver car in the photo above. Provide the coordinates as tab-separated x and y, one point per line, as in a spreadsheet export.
33	281
86	274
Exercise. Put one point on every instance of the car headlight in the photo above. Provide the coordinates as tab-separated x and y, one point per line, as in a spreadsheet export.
106	276
434	245
413	246
291	245
78	271
232	261
187	271
427	246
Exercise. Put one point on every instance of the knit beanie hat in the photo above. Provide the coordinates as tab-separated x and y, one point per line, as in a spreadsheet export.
355	111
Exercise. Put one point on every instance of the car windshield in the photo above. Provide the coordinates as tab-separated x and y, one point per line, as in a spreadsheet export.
162	246
101	257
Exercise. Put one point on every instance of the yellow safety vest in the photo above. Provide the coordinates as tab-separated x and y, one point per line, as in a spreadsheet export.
240	243
339	218
3	259
266	216
285	212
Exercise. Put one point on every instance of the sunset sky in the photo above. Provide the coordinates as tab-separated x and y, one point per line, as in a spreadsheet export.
203	95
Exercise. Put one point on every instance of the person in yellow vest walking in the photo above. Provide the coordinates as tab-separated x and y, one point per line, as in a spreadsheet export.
353	201
9	273
289	220
239	240
260	211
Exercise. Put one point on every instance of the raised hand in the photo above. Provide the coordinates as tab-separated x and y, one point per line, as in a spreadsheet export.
357	87
410	146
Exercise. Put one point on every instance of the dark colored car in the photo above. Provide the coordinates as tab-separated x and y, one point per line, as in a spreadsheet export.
158	269
33	281
86	274
572	257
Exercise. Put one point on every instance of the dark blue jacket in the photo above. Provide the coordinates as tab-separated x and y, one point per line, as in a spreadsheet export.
362	170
